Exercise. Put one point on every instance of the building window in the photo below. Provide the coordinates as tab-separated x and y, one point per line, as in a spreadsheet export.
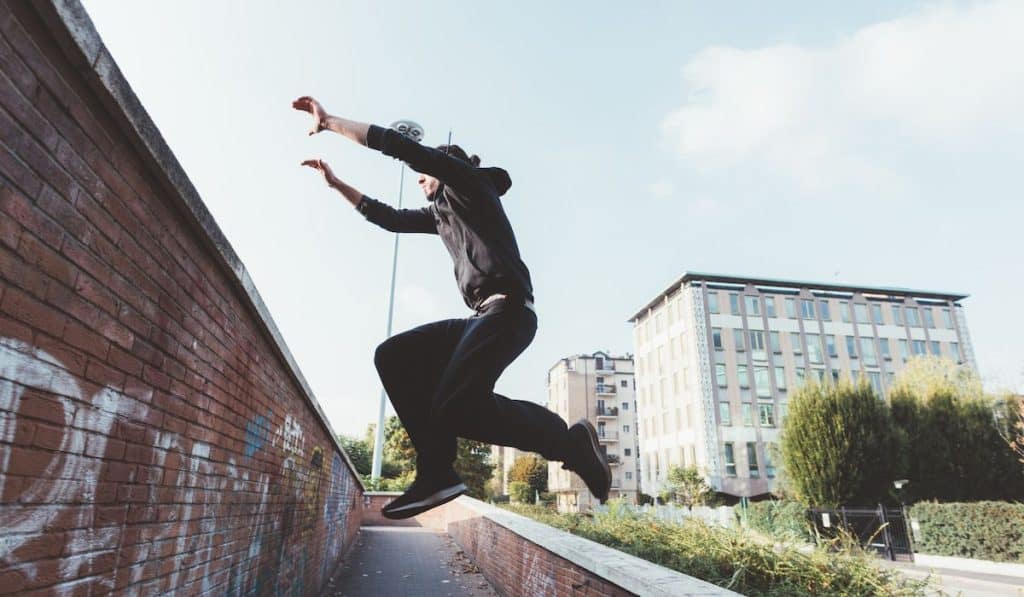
766	415
791	308
876	381
757	345
904	350
807	308
876	313
761	382
748	414
625	405
954	349
780	378
823	309
624	383
753	305
723	379
769	466
835	376
897	315
716	338
730	460
627	451
794	341
738	339
830	346
947	319
629	476
929	318
860	312
724	414
851	347
883	344
752	460
769	306
713	302
814	348
867	351
625	428
920	348
844	311
912	319
773	339
741	374
801	375
935	348
734	303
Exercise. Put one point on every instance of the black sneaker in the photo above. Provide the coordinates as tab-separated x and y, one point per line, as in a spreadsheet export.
426	492
587	461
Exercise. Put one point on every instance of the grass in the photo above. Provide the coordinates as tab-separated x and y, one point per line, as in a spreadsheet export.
733	558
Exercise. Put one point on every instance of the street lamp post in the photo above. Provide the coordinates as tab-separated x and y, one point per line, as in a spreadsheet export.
413	131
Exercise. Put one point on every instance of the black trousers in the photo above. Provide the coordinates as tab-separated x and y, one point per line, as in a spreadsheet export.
440	378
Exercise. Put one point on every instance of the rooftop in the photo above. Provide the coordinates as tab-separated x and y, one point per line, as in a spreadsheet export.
796	284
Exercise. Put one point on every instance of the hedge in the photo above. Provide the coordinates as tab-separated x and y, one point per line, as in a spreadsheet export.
984	530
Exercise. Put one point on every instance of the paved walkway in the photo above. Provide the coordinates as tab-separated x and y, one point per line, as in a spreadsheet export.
963	583
411	561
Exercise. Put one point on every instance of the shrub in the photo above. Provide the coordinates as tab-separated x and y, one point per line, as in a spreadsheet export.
532	470
784	520
985	530
732	558
520	492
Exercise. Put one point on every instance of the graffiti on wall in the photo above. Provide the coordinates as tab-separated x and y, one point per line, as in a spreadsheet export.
168	480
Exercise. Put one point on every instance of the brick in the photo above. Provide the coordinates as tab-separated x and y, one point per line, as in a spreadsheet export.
124	361
39	405
22	210
65	299
11	328
119	472
85	339
103	375
51	262
147	352
79	254
15	271
94	213
32	312
48	437
158	378
28	462
11	581
114	331
91	290
59	353
47	545
62	211
107	448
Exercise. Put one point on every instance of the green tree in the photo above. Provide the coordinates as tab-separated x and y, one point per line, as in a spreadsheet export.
686	486
358	452
532	470
472	463
839	445
519	491
954	448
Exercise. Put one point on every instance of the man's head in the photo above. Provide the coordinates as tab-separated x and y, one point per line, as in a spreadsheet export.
431	185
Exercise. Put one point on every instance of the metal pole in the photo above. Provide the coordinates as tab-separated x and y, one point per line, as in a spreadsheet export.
378	444
415	132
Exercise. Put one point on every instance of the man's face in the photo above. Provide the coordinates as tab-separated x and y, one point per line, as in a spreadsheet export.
429	184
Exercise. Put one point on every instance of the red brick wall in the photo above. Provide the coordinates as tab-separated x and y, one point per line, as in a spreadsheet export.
514	565
152	434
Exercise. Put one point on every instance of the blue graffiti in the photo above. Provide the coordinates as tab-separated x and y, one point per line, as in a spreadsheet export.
256	433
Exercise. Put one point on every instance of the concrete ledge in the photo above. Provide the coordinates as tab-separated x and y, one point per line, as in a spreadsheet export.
970	565
523	556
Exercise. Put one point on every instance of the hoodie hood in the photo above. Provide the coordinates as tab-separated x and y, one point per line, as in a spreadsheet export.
499	178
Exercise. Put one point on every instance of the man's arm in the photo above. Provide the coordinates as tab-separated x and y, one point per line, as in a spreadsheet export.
427	160
381	214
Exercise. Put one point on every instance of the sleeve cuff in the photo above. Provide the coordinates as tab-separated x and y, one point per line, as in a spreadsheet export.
361	206
375	137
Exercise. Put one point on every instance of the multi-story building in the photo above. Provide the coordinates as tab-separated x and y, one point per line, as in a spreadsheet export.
503	457
599	387
718	355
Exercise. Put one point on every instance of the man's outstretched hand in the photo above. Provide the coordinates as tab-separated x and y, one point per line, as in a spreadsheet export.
324	169
308	104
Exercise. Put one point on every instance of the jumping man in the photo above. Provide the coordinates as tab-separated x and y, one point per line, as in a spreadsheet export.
440	376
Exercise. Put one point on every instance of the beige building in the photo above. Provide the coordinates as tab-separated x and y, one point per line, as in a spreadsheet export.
599	387
503	457
717	357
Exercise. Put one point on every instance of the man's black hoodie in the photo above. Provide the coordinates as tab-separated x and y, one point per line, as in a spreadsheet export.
465	212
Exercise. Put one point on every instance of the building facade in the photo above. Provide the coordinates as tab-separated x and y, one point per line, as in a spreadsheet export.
717	356
503	457
599	387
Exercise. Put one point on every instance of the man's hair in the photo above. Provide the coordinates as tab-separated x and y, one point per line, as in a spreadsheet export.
456	151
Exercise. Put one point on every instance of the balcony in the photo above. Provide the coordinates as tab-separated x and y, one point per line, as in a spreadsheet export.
608	411
607	436
613	459
606	367
604	389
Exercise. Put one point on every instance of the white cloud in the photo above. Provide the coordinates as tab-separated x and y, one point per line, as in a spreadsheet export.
661	189
946	78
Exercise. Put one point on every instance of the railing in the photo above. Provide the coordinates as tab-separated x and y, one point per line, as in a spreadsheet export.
603	388
610	411
607	366
613	459
611	436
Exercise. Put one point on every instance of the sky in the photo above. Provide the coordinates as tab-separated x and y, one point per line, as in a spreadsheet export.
875	143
